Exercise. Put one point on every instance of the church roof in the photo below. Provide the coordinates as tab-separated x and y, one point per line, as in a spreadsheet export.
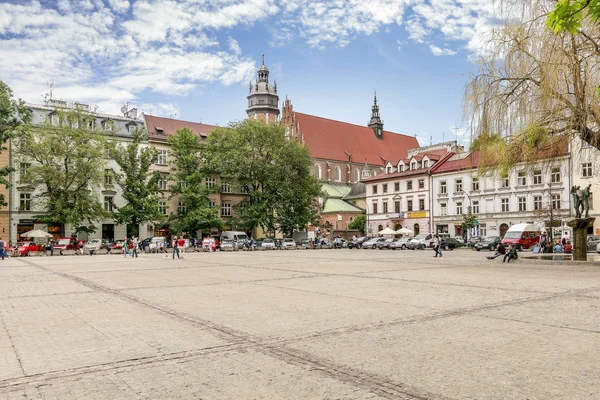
335	140
159	127
338	205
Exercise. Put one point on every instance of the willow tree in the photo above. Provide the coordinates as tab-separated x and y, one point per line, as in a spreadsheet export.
536	87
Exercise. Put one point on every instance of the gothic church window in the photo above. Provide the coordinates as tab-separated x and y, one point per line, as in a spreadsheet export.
338	174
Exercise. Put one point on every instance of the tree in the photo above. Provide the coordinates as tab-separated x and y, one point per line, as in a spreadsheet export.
64	163
14	117
570	15
469	221
272	170
535	89
138	183
189	172
358	223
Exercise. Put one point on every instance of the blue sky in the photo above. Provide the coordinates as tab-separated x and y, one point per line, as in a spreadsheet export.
193	59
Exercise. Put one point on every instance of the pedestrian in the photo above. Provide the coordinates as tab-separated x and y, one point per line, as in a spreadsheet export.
181	244
500	251
2	243
543	240
125	248
511	254
51	247
175	248
437	245
136	246
558	248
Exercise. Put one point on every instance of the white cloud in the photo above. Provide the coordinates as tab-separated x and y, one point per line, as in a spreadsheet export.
234	46
437	51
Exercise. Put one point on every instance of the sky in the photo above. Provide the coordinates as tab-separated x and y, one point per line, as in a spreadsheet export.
194	59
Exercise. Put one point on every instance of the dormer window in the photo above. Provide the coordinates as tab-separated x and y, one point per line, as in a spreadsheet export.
425	163
131	128
400	167
388	169
413	165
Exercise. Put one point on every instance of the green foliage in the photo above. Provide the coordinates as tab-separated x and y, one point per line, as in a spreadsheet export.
485	140
66	164
358	223
188	174
469	219
138	183
272	170
14	117
569	15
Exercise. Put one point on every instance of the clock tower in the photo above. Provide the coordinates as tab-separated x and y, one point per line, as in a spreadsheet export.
376	123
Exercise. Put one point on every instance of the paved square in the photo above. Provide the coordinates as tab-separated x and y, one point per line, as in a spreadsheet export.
328	324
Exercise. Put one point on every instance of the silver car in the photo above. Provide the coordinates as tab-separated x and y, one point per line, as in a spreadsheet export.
288	243
95	245
228	245
402	243
268	244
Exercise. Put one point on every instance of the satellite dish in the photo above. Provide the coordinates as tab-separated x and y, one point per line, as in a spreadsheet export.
124	109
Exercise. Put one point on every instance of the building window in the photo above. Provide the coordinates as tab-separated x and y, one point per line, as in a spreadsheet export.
161	157
91	124
587	169
375	207
385	207
413	165
374	188
397	207
458	185
443	187
211	182
54	120
388	169
163	182
482	230
212	204
225	187
317	171
356	175
459	209
443	209
24	167
408	185
504	181
396	186
131	128
181	208
25	202
108	177
338	174
537	177
555	178
522	201
226	209
421	183
421	204
425	163
400	167
522	178
475	184
162	207
556	201
504	203
409	205
537	203
108	203
475	207
385	185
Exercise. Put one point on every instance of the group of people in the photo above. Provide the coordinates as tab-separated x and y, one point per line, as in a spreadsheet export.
561	246
509	253
130	247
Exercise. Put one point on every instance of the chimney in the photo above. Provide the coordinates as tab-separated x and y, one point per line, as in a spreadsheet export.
132	113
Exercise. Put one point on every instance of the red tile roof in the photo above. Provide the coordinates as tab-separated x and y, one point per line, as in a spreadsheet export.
159	127
468	162
334	140
410	172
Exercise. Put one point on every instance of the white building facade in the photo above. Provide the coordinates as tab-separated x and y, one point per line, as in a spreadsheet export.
535	193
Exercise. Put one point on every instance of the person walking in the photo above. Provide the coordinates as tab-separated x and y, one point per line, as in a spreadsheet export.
51	247
125	248
136	246
437	245
2	248
175	247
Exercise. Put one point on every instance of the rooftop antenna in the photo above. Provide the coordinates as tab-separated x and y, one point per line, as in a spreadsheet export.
430	140
456	133
443	137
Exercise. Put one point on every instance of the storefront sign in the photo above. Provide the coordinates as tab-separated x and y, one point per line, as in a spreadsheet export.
418	214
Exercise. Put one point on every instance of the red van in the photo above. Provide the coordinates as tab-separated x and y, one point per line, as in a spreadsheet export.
522	236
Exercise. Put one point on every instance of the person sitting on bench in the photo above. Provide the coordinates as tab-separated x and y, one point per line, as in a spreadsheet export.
511	254
500	251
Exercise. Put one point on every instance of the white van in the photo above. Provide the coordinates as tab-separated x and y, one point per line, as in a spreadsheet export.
237	236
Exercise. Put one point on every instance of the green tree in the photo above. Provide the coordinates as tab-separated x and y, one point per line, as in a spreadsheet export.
138	183
65	163
189	172
358	223
272	170
14	118
468	221
570	15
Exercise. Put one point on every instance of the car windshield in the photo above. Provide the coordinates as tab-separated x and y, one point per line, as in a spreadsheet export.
512	235
421	236
288	240
268	241
63	241
226	241
489	239
241	237
94	241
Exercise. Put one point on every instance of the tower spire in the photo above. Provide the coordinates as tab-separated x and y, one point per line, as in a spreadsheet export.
376	123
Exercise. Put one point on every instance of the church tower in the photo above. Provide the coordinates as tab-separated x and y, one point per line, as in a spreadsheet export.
376	123
263	101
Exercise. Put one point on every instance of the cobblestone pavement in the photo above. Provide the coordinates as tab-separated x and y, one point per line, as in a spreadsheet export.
328	324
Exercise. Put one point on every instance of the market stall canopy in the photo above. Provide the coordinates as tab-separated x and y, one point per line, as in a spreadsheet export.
404	231
387	231
37	233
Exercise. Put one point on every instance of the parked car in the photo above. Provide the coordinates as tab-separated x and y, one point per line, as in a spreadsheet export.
372	244
95	245
402	243
386	243
288	243
228	245
357	244
66	244
421	241
474	240
303	244
450	244
24	248
210	244
598	248
338	243
267	243
592	243
489	243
